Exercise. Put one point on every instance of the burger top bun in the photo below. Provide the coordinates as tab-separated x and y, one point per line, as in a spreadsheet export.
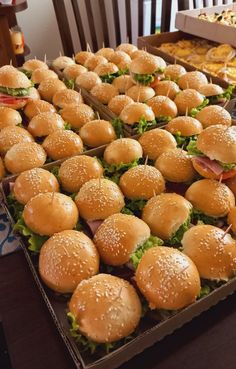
59	208
117	103
39	75
61	62
174	71
121	59
9	117
217	201
88	80
13	78
137	53
98	199
212	251
97	133
167	88
101	295
185	126
167	278
155	142
214	114
210	89
146	64
82	56
104	92
73	71
76	171
32	182
33	64
24	156
44	124
194	80
34	107
104	69
142	182
77	114
163	106
67	97
93	61
187	100
127	48
123	83
123	150
107	52
66	259
119	236
132	113
166	213
140	93
12	135
48	88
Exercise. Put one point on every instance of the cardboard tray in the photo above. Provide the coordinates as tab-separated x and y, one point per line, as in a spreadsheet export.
150	330
188	21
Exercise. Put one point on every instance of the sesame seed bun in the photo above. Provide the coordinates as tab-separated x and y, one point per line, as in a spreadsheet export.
123	150
95	60
96	321
66	259
117	103
210	89
174	71
214	140
140	93
76	171
77	115
88	80
213	252
9	117
104	92
137	53
32	182
132	113
97	133
48	88
166	213
167	278
11	135
2	169
104	69
35	107
155	142
187	100
39	75
13	78
67	97
167	88
214	114
231	219
119	236
62	62
231	183
98	199
217	201
192	80
146	64
123	83
121	59
73	71
186	126
33	94
33	64
141	182
45	123
163	106
24	156
176	166
82	56
127	48
59	208
107	52
62	144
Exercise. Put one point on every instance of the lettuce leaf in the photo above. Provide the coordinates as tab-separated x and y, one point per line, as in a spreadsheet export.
115	171
109	78
70	83
205	290
118	127
199	218
196	110
137	255
192	149
226	95
177	237
28	73
227	167
14	91
14	206
143	125
134	207
147	79
183	141
67	126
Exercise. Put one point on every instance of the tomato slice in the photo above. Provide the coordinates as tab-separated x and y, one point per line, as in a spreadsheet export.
229	174
155	82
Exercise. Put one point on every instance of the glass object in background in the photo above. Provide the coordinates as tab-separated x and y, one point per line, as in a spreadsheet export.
6	2
17	40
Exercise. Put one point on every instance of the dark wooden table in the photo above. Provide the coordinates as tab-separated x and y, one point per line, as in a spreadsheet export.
208	342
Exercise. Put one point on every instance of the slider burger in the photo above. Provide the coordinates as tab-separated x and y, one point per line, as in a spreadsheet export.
2	169
167	278
93	61
137	53
146	70
77	115
192	80
32	182
107	72
140	93
127	48
107	52
82	56
139	116
174	71
66	259
214	152
56	207
24	156
215	94
122	60
113	311
155	142
11	135
167	88
34	107
9	117
184	129
14	88
211	198
76	171
123	83
104	92
49	87
66	97
88	80
62	143
176	166
61	62
38	75
214	114
163	107
117	103
73	71
44	124
168	215
97	133
212	251
190	101
123	151
33	64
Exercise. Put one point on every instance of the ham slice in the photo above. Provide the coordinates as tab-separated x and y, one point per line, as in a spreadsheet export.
93	225
210	164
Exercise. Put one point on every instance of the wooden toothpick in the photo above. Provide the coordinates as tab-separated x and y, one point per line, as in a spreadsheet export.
53	195
45	58
186	112
145	164
226	231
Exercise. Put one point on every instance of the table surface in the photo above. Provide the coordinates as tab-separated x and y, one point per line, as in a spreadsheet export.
208	342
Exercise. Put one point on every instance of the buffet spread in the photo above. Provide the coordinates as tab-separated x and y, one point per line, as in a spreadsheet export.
119	172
